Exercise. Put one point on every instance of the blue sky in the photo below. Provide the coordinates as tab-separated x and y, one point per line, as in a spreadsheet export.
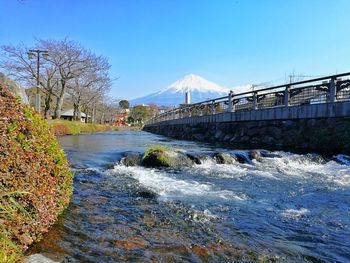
150	44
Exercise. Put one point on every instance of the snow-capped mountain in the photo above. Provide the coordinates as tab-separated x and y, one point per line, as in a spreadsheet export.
199	88
242	88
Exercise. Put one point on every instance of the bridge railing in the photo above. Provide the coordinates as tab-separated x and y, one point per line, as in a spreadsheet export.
327	89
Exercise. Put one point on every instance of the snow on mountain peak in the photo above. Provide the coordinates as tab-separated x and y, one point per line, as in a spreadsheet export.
200	89
194	83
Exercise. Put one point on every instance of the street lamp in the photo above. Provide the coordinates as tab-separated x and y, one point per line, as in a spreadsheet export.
37	53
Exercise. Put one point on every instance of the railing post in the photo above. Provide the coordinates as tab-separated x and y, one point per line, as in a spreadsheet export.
229	108
255	101
332	90
286	96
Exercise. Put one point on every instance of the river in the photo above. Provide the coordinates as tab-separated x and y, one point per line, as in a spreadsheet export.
282	208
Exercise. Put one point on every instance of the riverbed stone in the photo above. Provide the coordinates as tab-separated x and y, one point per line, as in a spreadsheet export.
145	193
132	243
38	258
254	155
194	158
224	158
131	159
165	157
242	158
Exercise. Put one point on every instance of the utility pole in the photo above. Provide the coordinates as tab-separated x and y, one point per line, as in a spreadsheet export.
32	53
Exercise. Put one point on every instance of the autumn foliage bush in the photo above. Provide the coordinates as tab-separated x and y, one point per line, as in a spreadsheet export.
35	180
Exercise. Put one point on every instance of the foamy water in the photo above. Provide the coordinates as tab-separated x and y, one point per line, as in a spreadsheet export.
170	188
289	191
286	207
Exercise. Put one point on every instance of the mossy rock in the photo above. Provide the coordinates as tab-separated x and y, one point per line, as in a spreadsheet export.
224	158
161	156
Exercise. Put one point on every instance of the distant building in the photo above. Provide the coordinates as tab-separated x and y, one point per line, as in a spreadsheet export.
187	97
69	115
121	119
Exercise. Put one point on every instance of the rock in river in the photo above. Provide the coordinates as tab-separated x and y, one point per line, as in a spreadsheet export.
160	156
224	158
131	159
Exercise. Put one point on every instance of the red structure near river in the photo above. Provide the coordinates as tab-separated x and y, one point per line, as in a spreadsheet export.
121	119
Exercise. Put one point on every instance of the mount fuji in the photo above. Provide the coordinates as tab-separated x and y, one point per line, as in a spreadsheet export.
199	88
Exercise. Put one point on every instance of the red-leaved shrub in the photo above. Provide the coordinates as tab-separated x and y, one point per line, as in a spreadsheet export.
35	180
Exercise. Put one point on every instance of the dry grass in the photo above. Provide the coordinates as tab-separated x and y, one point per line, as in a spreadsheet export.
64	127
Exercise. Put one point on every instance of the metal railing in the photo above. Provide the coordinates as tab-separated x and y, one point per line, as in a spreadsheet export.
320	90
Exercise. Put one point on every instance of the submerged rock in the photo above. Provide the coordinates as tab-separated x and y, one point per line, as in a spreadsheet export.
109	166
316	158
224	158
160	156
201	158
242	158
254	155
131	159
145	193
194	158
132	243
38	258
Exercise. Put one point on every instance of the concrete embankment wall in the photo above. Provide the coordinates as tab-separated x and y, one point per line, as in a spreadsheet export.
323	128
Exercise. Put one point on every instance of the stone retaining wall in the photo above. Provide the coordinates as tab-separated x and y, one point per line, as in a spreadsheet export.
322	135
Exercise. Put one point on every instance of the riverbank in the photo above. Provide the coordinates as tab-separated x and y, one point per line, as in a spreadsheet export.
327	136
63	127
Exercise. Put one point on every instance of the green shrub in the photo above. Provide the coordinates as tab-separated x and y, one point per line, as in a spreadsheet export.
35	180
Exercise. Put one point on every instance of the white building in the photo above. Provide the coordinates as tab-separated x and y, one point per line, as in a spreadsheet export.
69	115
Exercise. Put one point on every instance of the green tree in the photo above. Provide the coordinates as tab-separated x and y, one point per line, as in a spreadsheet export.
140	113
124	104
130	120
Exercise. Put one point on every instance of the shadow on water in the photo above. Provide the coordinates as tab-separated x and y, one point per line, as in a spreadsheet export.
284	209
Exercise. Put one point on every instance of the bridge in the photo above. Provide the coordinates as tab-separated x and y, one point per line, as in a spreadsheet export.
321	104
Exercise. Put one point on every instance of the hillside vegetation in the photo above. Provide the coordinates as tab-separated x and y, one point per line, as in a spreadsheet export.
35	180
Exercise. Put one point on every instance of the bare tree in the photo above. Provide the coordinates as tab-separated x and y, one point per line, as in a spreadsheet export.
92	84
70	71
106	110
17	65
71	60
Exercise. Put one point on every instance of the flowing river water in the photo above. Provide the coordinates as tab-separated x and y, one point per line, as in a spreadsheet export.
282	208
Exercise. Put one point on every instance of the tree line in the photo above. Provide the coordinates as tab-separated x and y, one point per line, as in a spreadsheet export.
69	72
